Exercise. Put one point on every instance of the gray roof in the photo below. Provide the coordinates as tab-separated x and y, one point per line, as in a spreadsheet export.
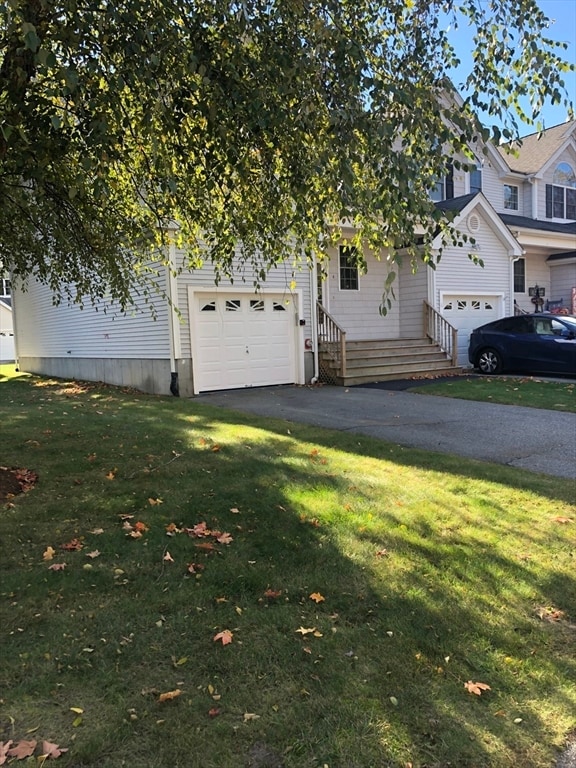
523	222
561	256
456	203
536	149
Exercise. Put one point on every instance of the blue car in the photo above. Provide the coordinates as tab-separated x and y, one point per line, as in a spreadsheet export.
538	343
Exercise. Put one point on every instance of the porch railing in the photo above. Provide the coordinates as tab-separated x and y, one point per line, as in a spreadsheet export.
331	341
441	332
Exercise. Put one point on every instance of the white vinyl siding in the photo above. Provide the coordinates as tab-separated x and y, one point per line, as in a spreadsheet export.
537	273
278	280
358	312
493	189
70	331
457	274
413	291
562	281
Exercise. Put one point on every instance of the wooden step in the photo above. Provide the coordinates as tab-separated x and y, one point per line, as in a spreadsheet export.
387	359
422	373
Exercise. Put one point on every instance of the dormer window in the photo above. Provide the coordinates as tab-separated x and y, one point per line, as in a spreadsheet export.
561	194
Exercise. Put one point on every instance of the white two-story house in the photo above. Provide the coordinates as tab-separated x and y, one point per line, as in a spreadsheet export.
519	205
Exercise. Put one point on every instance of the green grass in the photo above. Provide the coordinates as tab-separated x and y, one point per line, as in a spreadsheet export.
434	570
531	392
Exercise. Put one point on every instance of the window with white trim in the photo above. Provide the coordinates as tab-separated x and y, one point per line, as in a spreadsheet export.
561	194
510	197
520	276
5	288
476	180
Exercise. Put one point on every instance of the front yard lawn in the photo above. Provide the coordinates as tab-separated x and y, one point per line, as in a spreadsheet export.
532	391
188	587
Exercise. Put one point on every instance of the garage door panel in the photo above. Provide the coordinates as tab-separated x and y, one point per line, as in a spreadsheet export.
467	312
242	341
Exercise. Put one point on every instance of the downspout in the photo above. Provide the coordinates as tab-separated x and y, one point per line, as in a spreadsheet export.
173	324
314	308
533	181
14	326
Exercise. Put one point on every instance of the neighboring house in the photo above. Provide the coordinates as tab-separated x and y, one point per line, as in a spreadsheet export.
519	207
6	323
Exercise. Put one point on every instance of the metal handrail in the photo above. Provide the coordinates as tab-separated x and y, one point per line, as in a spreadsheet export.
332	338
437	328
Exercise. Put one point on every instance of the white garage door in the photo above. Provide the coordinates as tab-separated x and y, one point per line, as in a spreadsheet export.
243	340
466	312
6	346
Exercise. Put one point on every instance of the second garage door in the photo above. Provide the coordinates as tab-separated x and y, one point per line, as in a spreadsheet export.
242	340
466	312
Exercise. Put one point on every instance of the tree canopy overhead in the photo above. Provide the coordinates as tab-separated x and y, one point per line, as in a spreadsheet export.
251	122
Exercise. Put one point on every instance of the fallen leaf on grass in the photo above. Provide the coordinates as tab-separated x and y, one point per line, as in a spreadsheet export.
206	546
476	688
4	748
172	529
155	502
52	751
235	511
74	545
195	567
168	558
215	448
272	594
111	475
140	526
214	712
317	597
250	716
224	538
48	553
169	695
382	553
225	637
306	631
57	567
93	554
564	520
22	749
97	531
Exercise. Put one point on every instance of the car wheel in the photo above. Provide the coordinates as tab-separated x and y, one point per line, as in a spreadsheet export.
489	361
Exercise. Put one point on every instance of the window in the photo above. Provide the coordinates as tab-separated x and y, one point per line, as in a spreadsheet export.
348	268
256	305
444	187
510	197
232	305
520	276
210	307
5	288
561	194
476	180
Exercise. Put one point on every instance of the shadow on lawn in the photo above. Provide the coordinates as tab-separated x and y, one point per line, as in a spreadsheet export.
358	697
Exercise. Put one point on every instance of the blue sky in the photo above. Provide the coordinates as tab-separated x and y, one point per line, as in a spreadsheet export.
563	12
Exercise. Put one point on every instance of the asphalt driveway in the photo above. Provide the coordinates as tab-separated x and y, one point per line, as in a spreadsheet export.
530	438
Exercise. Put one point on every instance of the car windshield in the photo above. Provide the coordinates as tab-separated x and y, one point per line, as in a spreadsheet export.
571	322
